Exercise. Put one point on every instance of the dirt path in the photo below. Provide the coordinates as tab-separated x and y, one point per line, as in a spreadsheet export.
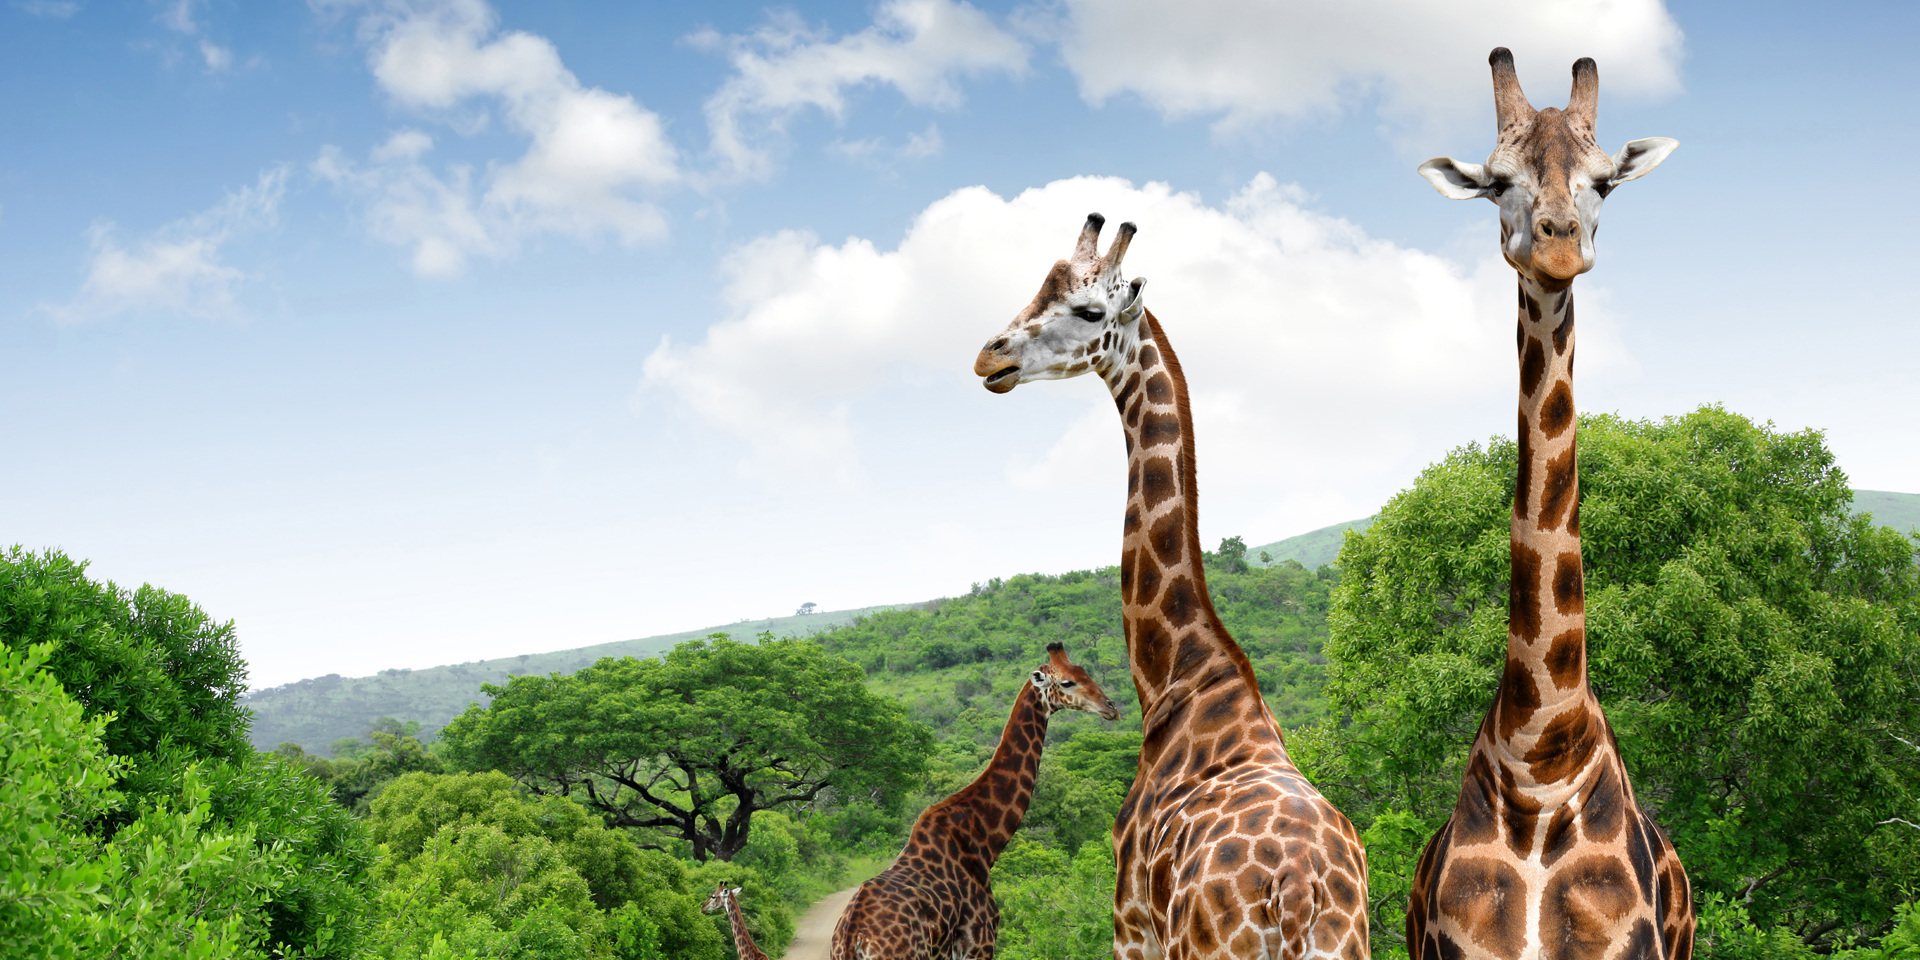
814	933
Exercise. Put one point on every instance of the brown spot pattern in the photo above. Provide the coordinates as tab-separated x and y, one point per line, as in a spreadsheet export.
1532	364
1523	593
1569	584
1556	412
1558	492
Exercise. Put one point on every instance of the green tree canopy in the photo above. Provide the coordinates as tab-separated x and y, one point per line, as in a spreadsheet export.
475	865
695	743
197	814
1756	648
170	677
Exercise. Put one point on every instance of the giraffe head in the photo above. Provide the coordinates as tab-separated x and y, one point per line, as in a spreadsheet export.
1547	174
1063	685
1082	319
717	901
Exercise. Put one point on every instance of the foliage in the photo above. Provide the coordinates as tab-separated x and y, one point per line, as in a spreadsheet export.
1754	645
320	711
179	879
54	777
202	838
699	741
361	768
1081	785
954	656
475	865
1052	906
321	858
170	676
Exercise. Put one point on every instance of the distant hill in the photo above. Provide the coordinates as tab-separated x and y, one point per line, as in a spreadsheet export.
1900	511
314	713
1313	549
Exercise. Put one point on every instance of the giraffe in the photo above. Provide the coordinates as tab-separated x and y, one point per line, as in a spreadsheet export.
936	900
728	899
1222	847
1547	855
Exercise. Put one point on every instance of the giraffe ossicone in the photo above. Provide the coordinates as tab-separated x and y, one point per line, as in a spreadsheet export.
1547	855
936	899
1223	848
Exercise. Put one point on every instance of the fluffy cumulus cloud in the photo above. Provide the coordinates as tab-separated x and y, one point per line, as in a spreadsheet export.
592	160
1424	61
1297	330
918	47
178	269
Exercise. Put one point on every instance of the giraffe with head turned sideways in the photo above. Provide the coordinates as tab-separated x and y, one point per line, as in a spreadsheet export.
727	898
936	901
1223	848
1547	856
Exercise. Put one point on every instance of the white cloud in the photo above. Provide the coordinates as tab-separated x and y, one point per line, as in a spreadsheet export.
1424	60
178	269
591	158
877	151
50	9
1298	331
180	17
218	58
917	47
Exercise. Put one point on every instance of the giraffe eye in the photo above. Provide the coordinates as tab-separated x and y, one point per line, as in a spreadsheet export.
1091	313
1066	683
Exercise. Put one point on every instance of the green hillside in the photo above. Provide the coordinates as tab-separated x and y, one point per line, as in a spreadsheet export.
1313	549
314	713
931	654
1900	511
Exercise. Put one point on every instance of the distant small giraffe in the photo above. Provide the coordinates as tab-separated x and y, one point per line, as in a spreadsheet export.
1547	855
1223	848
728	899
936	900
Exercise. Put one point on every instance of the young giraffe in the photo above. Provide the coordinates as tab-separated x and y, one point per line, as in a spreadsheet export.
1223	848
728	899
1547	855
936	900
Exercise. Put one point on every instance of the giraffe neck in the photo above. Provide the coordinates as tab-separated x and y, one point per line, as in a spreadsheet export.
1540	724
1176	644
742	941
984	815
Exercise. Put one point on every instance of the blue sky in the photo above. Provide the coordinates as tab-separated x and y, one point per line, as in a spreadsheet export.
406	333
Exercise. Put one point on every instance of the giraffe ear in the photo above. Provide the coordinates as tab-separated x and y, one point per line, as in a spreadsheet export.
1039	678
736	890
1456	180
1636	159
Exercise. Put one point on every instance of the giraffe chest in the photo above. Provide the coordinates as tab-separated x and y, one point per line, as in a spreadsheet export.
1571	874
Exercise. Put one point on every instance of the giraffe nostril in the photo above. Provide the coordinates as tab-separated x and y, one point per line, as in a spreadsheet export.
1000	344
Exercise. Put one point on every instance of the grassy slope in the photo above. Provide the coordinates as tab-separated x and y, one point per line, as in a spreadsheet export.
1312	549
1900	511
314	713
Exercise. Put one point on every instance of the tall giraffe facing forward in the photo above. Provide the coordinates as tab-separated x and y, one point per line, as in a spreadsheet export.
728	899
1547	856
1223	848
936	900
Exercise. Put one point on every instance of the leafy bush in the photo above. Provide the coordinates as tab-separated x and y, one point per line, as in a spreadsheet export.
1754	646
1054	907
